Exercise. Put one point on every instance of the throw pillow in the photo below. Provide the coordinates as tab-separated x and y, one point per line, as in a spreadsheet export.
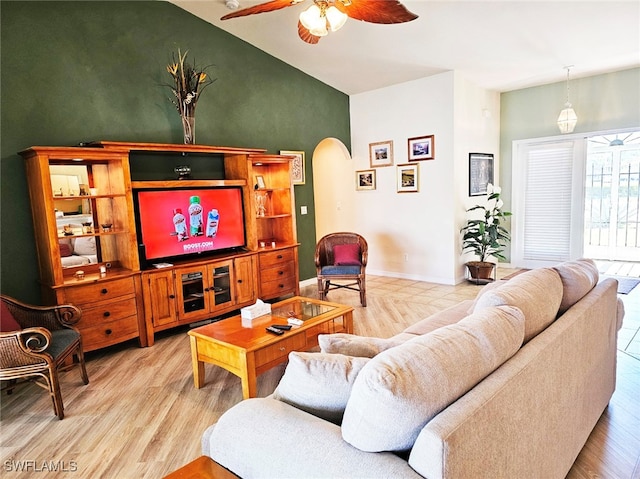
401	389
352	345
85	246
7	321
537	293
319	383
65	250
578	278
346	254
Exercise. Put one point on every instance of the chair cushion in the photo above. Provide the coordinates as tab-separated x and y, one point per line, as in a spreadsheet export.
578	278
61	339
346	254
319	383
401	389
352	345
65	250
340	270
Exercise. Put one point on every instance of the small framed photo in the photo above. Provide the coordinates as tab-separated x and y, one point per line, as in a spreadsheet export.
480	173
381	154
365	180
407	178
422	148
297	166
260	184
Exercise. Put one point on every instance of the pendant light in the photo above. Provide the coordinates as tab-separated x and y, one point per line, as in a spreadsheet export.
567	119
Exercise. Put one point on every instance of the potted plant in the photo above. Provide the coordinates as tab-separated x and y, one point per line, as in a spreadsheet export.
486	237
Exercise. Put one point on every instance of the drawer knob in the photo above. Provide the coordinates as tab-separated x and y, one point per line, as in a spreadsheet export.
106	314
281	286
279	256
104	291
172	296
239	281
282	349
108	331
280	273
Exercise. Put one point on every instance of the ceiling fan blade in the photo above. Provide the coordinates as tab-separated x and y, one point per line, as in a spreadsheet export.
261	8
376	11
306	35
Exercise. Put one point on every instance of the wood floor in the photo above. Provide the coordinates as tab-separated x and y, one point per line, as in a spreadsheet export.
140	416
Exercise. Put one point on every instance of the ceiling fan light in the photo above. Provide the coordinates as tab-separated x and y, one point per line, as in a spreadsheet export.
336	18
567	119
311	18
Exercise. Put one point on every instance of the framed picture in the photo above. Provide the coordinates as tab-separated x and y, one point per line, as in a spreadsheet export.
260	182
407	178
422	148
366	180
297	165
381	154
480	173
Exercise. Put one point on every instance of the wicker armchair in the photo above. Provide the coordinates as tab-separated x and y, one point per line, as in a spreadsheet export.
331	266
41	348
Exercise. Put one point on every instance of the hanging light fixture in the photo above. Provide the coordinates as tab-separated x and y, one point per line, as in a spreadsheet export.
567	119
321	17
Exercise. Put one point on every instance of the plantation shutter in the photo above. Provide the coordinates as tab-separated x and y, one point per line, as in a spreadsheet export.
547	195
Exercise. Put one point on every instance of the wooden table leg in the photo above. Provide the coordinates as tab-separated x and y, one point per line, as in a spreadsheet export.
348	322
248	377
198	366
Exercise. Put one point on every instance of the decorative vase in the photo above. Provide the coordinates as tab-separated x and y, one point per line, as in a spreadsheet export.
480	272
189	128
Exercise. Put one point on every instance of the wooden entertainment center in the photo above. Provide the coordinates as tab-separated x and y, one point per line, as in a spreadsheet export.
123	299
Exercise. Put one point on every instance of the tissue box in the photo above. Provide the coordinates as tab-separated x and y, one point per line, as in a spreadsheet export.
259	309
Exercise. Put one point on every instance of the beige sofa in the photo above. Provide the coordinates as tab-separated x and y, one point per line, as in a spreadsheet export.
508	385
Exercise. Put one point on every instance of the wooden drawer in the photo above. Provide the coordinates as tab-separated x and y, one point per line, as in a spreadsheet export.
102	290
271	289
284	270
106	333
273	258
280	350
108	310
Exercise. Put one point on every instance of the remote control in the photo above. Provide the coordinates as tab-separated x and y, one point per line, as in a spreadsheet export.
284	327
273	330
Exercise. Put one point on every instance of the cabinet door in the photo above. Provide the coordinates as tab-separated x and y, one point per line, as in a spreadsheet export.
160	299
193	285
221	292
245	283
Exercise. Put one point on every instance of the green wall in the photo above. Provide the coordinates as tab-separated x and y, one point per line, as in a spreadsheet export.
602	102
82	71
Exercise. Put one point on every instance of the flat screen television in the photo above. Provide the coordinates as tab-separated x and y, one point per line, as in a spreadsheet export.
175	223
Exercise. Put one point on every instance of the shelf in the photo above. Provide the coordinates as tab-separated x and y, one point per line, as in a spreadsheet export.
141	185
87	197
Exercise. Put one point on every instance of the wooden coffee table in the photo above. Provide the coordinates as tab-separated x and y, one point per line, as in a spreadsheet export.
250	351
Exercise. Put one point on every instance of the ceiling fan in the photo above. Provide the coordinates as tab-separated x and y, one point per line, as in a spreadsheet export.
330	15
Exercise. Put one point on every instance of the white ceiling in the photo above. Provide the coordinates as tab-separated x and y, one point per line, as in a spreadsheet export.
498	45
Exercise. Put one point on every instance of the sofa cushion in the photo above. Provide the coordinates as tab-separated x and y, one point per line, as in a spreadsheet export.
85	246
537	293
441	318
578	278
319	383
352	345
401	389
346	254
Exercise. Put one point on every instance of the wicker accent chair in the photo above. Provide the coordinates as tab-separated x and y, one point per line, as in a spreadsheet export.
41	348
347	263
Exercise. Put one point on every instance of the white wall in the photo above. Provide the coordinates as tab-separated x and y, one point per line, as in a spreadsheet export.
422	227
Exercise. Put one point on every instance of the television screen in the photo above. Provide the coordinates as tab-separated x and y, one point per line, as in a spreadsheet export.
188	221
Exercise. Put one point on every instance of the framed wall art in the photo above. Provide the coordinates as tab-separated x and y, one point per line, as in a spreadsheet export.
260	182
381	153
297	166
365	180
422	148
480	173
407	178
